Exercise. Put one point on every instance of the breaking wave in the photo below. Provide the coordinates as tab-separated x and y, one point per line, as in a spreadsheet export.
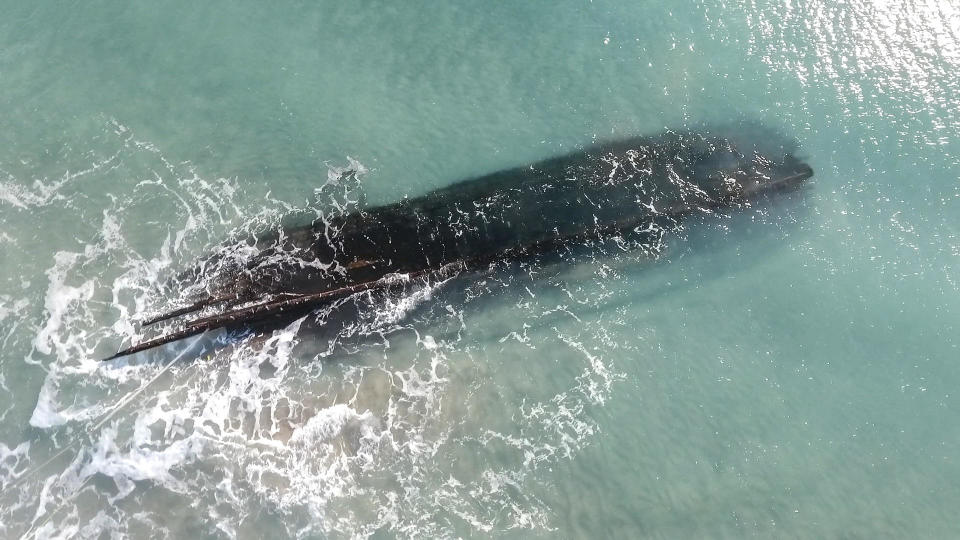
413	415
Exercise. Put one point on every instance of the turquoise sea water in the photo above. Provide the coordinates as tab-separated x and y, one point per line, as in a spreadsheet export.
791	370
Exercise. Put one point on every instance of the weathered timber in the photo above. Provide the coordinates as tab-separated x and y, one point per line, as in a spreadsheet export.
511	214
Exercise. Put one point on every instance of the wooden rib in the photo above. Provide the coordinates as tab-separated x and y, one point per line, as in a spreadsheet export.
232	300
197	306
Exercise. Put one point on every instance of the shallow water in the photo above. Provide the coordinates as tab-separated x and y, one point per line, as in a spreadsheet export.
785	371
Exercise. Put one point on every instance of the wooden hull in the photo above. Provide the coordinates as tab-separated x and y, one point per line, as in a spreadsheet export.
632	184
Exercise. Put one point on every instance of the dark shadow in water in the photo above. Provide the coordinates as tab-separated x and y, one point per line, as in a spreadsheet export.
687	175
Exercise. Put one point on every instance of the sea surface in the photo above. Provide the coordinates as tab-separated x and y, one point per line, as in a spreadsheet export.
789	370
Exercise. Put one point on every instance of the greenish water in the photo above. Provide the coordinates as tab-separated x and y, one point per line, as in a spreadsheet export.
787	371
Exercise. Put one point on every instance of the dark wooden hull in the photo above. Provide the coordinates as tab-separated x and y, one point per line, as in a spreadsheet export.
632	184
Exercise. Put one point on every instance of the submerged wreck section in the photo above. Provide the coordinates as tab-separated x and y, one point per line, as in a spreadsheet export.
637	184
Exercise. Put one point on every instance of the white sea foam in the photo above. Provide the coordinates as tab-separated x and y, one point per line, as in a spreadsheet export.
60	299
10	307
130	463
13	462
350	440
330	423
43	191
